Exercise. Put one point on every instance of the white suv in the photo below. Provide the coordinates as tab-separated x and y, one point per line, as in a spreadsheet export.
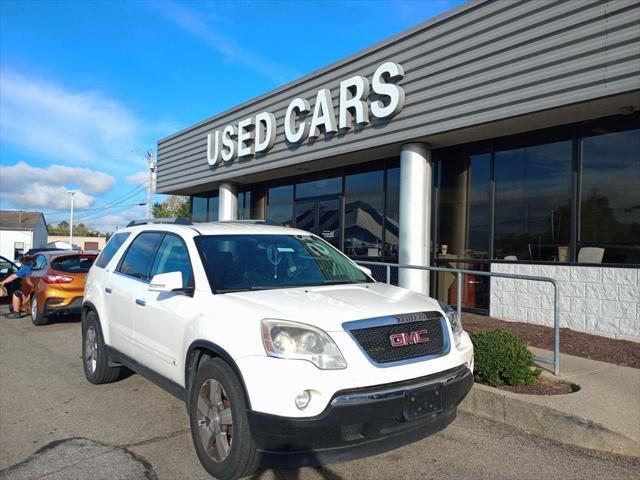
286	352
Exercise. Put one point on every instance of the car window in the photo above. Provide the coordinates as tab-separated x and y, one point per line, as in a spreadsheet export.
73	263
40	263
137	260
6	267
111	248
173	257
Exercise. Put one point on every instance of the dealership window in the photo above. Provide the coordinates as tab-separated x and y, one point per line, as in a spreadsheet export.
533	202
392	215
199	207
320	187
212	215
244	205
364	215
610	198
280	204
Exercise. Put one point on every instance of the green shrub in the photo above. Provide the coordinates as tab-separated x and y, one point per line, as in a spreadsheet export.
501	357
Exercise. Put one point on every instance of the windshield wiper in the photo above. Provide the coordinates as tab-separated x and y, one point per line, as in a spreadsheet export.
244	289
336	281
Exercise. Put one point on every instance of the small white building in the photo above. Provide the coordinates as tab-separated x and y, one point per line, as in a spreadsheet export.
20	231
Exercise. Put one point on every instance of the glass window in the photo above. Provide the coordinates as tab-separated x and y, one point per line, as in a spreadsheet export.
392	217
610	195
213	209
6	268
244	206
199	209
364	215
465	204
280	204
73	263
173	257
110	249
137	260
533	208
316	188
262	262
40	263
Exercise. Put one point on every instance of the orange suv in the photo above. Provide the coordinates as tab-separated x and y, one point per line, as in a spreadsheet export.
56	283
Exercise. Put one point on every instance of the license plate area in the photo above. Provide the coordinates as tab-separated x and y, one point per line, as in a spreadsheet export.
425	401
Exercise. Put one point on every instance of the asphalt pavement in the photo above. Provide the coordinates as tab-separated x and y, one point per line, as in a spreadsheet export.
56	425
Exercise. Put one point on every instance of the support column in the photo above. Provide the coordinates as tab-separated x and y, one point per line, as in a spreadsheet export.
415	215
227	202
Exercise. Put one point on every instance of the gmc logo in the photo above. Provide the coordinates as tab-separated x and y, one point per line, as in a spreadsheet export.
404	338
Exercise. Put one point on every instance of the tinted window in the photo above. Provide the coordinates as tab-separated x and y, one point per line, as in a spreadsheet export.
280	204
213	209
315	188
363	216
137	261
199	209
40	263
73	263
259	262
173	257
110	249
392	220
533	192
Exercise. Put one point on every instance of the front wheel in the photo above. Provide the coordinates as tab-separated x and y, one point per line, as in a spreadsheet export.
95	359
219	423
37	317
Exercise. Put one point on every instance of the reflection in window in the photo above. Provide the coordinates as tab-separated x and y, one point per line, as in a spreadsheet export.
610	195
364	218
392	218
244	206
316	188
213	209
280	204
199	209
533	191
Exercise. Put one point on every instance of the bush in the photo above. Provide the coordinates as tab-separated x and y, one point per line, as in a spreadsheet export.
501	357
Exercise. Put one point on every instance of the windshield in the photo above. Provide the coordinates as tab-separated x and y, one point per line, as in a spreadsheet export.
256	262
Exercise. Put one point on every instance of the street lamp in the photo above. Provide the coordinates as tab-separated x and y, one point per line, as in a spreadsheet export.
72	193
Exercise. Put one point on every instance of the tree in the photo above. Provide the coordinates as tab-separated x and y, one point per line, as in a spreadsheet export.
173	206
80	230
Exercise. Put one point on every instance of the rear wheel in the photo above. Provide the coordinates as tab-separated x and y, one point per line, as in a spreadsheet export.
219	424
95	359
37	317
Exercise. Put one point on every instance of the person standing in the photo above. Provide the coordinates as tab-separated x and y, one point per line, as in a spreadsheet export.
18	295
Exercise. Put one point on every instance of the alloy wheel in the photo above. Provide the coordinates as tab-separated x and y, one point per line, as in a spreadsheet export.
215	422
34	307
91	349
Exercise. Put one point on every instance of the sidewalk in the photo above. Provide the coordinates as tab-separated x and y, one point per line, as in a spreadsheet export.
604	415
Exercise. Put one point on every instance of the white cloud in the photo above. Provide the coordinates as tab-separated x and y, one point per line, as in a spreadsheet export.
138	178
72	127
111	222
196	23
46	188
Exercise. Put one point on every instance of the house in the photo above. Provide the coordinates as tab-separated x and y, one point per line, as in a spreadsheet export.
20	231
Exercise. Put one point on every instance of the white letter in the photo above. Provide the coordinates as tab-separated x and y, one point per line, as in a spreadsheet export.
388	71
294	136
213	147
354	93
245	137
323	114
264	143
228	135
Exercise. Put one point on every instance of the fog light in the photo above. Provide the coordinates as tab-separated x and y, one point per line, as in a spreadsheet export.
303	399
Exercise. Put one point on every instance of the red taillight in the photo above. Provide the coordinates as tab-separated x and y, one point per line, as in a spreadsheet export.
50	278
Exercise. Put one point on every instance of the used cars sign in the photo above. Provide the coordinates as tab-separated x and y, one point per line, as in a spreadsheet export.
257	134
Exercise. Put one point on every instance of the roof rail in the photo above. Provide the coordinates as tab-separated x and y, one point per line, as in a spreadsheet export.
170	220
252	222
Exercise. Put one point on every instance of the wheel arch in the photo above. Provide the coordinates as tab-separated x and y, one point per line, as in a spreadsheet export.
198	350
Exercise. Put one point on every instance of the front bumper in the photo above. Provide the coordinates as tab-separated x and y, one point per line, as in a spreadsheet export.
361	422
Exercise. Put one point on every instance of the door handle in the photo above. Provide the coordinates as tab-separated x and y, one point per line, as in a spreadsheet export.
141	302
107	289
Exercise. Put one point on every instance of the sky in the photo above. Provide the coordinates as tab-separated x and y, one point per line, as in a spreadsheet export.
88	87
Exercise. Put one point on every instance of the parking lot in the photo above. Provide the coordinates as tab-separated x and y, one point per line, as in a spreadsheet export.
55	425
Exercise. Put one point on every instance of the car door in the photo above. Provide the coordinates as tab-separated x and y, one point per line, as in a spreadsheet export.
7	268
33	283
159	328
128	285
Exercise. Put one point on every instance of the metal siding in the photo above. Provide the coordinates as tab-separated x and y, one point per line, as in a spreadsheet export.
492	61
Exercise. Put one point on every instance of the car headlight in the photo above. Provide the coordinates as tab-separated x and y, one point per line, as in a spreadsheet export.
454	321
292	340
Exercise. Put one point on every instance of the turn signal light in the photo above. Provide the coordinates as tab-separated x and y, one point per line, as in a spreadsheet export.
57	279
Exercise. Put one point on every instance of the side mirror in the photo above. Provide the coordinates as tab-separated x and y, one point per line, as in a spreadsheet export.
365	270
166	282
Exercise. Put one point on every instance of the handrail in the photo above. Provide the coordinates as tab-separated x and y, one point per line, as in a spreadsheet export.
459	272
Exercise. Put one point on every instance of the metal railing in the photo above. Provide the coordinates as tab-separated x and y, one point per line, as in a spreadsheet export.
460	272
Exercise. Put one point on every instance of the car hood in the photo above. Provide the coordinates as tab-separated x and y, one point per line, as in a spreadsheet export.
328	307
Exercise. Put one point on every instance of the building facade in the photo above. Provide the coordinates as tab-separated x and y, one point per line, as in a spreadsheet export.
499	136
21	231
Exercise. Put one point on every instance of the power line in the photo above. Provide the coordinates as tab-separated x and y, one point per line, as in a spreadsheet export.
122	198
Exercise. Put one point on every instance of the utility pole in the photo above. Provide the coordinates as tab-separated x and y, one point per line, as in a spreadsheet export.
72	193
152	168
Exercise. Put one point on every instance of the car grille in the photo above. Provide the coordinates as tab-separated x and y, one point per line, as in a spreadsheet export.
376	340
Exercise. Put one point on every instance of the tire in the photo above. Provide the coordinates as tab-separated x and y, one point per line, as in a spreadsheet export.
37	317
223	443
95	359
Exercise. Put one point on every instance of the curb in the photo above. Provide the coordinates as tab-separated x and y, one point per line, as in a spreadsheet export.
516	411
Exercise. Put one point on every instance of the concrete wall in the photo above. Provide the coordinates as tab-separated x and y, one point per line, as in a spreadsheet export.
600	300
8	239
77	240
